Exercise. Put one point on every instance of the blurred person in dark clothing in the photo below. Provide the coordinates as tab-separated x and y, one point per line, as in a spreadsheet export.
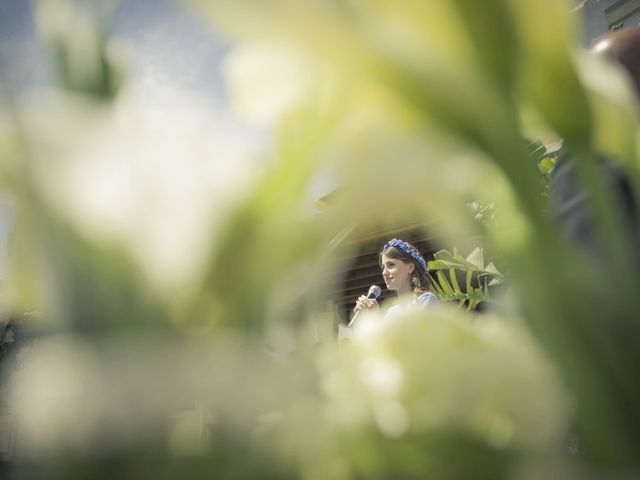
601	308
569	202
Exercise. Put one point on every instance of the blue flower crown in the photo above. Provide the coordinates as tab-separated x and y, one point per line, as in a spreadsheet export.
408	249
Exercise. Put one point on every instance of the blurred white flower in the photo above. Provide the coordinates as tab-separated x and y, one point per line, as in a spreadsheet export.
155	177
86	398
443	369
56	395
392	419
383	376
269	80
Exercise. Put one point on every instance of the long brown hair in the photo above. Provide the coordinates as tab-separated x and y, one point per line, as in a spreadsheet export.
419	279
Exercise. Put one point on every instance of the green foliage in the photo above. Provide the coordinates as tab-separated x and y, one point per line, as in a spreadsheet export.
546	166
79	47
478	277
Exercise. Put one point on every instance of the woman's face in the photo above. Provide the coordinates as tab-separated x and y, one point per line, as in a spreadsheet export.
397	273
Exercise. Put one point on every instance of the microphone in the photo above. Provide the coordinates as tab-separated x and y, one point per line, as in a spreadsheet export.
374	292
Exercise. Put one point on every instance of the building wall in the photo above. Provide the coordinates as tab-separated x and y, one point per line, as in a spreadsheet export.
600	16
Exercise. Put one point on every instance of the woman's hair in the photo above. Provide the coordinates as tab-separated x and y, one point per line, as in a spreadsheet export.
401	250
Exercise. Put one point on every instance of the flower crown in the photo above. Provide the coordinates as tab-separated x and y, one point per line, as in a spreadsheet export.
408	249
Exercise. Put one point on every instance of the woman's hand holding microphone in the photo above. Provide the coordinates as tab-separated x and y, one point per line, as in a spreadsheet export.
367	302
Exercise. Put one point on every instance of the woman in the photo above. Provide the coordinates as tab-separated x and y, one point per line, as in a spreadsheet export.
404	271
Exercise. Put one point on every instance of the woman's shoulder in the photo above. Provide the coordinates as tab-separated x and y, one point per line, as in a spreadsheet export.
427	298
